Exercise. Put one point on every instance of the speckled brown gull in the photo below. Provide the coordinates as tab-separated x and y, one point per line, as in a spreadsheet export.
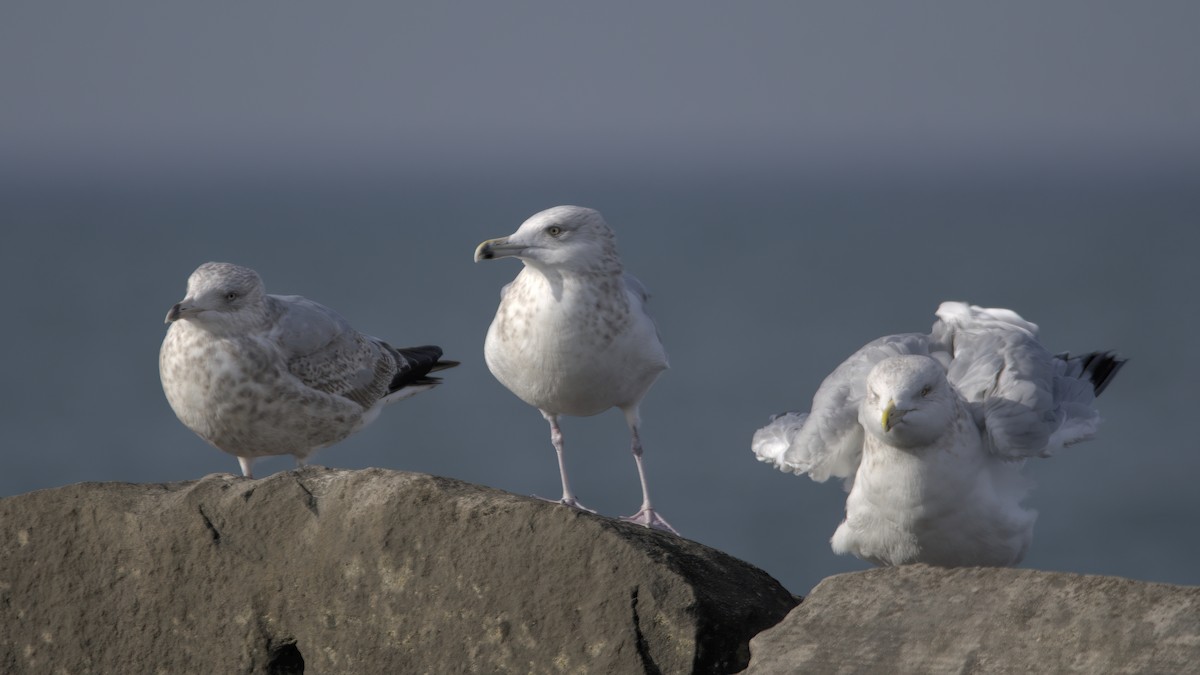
257	375
930	431
571	335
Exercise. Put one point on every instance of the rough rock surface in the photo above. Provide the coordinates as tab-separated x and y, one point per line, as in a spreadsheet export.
919	619
374	571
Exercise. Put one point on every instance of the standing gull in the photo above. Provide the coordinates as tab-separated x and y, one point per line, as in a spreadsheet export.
257	375
571	335
930	432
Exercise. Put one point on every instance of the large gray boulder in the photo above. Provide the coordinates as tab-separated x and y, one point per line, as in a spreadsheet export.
919	619
324	571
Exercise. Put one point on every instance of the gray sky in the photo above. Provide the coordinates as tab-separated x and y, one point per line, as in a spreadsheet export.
439	86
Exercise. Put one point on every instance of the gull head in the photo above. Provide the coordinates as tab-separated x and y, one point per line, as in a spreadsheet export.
565	237
219	294
908	403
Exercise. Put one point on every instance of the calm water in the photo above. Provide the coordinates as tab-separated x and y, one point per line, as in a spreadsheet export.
760	289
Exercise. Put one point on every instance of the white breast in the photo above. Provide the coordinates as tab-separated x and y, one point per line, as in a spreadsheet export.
573	350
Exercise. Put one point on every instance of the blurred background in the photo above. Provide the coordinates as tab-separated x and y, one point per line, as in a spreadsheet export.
790	180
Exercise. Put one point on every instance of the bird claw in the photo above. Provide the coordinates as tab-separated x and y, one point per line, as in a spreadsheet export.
650	518
567	501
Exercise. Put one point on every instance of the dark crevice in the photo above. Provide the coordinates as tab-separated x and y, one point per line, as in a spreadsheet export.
285	659
311	502
643	647
212	529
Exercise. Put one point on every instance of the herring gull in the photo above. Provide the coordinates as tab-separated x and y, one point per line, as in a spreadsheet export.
571	335
930	433
256	374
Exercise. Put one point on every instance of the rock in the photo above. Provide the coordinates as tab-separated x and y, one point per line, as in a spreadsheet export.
919	619
369	571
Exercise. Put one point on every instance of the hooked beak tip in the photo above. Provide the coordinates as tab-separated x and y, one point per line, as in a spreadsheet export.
174	314
488	250
484	251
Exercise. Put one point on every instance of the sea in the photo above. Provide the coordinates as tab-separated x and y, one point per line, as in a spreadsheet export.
762	283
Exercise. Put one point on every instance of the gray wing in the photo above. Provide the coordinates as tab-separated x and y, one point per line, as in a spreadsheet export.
638	290
324	352
827	441
636	287
1029	403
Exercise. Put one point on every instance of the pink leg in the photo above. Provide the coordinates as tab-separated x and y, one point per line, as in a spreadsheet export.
245	462
647	516
556	438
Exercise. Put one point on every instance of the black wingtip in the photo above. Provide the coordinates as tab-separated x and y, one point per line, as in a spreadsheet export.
1099	368
420	361
443	364
1102	367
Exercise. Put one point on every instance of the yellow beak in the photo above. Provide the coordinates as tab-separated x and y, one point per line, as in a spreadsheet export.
887	421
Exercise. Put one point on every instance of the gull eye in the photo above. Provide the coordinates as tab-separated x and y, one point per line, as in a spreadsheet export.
554	230
926	389
231	296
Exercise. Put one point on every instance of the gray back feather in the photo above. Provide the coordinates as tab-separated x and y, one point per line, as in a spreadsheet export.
326	353
1030	403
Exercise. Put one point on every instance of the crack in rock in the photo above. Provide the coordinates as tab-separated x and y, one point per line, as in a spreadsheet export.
311	502
212	529
643	646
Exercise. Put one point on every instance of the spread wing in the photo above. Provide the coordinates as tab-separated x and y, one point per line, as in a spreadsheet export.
827	440
1026	401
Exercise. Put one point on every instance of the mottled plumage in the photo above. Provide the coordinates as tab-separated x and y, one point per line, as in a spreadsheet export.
571	335
256	374
930	432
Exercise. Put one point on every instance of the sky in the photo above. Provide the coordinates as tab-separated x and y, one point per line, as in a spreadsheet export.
790	180
151	86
